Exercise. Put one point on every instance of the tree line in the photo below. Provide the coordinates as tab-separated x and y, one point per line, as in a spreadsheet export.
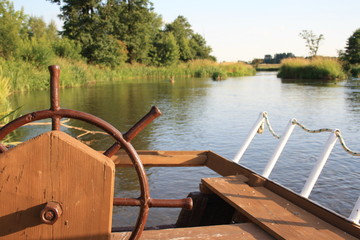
106	33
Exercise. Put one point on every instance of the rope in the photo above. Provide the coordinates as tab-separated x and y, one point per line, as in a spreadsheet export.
336	132
311	131
342	143
266	117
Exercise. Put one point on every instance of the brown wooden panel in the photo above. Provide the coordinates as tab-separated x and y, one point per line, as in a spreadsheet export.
163	158
55	167
226	167
274	214
244	231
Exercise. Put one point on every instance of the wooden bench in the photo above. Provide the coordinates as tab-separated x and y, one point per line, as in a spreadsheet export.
272	213
244	231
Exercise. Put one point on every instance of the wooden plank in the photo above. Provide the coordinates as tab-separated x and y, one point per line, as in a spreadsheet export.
226	167
274	214
244	231
55	167
163	158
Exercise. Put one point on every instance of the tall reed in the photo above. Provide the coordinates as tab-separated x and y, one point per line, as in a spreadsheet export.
23	76
315	68
4	87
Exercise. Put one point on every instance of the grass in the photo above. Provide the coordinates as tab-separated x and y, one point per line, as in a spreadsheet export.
18	76
4	87
319	68
268	67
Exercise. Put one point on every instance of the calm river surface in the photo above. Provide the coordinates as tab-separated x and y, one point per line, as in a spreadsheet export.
201	114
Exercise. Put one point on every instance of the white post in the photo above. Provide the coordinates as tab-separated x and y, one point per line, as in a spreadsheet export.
283	140
250	136
355	214
314	175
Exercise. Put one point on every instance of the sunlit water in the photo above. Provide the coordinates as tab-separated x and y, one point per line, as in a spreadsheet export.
201	114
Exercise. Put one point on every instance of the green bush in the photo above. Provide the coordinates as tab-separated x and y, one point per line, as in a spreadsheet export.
37	52
66	48
219	75
355	70
315	68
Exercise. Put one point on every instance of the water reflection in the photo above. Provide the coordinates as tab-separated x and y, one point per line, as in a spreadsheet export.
313	82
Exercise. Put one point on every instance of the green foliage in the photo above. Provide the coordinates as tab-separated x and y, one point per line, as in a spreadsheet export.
36	27
267	67
191	45
67	48
113	31
17	75
199	48
219	75
11	29
166	51
355	70
352	50
4	87
238	69
315	68
24	75
108	51
182	31
312	41
135	24
36	51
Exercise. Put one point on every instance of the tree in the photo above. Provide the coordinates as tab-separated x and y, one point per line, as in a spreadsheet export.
11	29
182	31
84	23
51	31
199	48
352	49
133	28
36	27
312	41
135	24
191	45
165	51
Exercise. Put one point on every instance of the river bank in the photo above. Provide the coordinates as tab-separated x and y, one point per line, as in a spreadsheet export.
22	76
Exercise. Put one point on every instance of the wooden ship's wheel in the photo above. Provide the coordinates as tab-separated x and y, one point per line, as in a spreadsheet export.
55	187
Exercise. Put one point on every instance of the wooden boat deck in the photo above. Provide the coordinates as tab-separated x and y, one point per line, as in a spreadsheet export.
272	213
244	231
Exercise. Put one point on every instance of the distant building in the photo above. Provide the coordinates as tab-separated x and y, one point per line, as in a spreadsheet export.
268	58
277	57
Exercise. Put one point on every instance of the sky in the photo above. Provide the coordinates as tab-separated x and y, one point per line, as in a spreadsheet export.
244	30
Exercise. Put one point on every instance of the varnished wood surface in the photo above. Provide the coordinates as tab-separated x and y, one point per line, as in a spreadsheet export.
244	231
163	158
55	167
274	214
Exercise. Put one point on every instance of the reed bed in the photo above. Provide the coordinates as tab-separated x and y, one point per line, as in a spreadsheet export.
320	68
268	67
23	76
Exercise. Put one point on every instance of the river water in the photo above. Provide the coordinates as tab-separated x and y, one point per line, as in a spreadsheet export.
201	114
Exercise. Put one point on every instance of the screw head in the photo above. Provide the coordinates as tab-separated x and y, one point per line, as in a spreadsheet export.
49	215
